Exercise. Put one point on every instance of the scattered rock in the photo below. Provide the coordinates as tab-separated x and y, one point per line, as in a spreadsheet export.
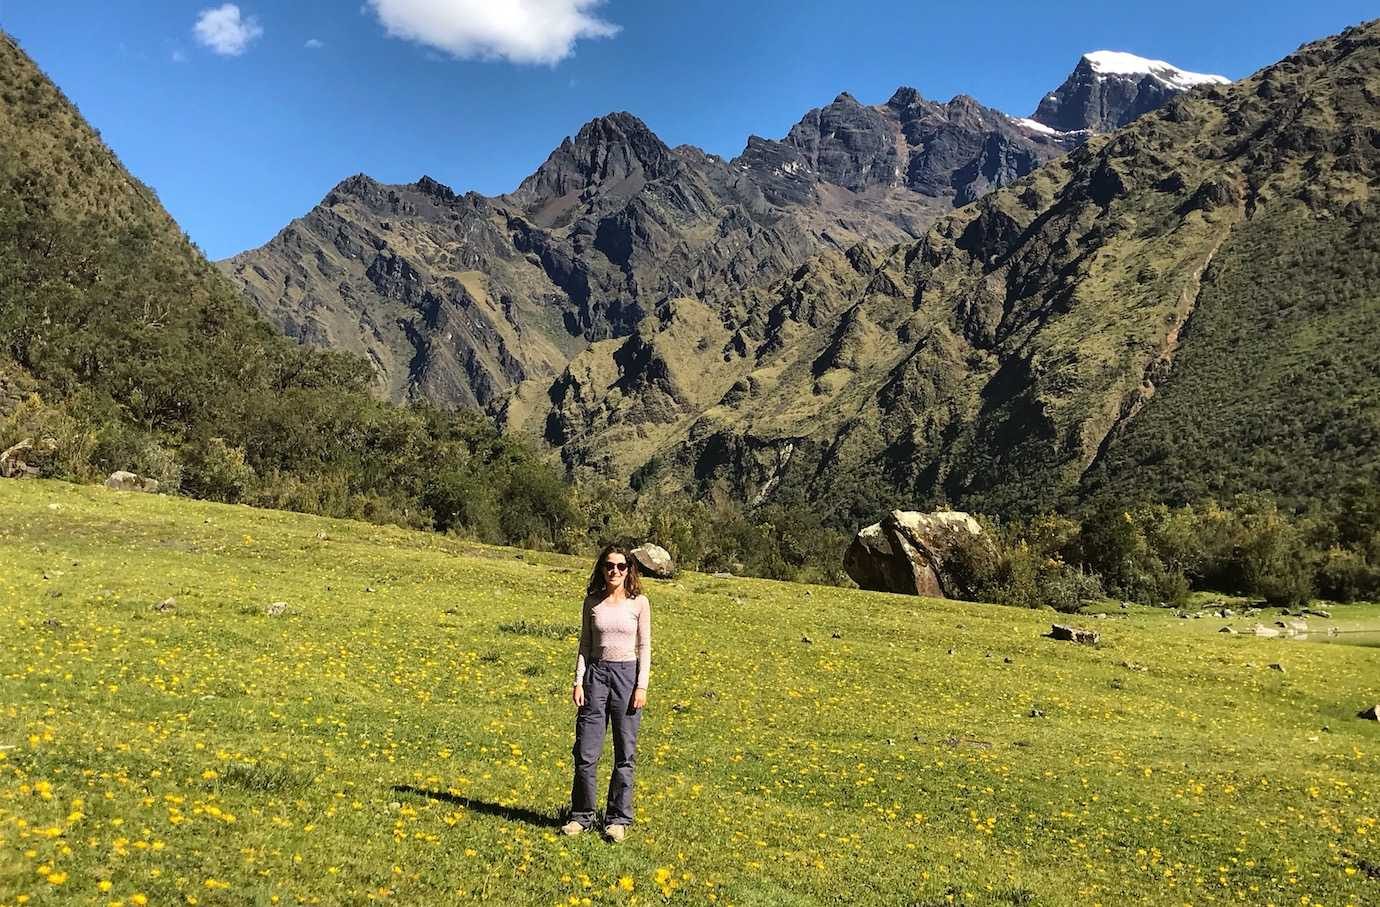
1008	660
1251	612
1225	612
952	650
808	593
1370	714
1126	606
121	480
368	588
837	635
722	575
807	640
654	561
166	605
53	623
1132	666
1276	666
1101	615
1074	634
1037	713
1318	612
1262	630
322	537
1227	630
276	609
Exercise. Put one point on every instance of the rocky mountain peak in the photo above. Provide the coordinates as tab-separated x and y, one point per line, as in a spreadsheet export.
1108	89
608	149
905	97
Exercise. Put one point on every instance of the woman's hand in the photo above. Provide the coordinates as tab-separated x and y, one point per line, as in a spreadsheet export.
577	695
639	698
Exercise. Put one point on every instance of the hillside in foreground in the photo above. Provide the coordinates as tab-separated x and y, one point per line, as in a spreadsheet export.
403	731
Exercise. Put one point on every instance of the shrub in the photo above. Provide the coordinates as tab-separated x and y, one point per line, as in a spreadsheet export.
217	471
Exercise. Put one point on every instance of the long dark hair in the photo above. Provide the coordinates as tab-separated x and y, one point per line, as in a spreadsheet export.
632	583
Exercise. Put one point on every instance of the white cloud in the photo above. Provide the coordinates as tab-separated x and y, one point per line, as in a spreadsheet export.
521	31
314	44
225	30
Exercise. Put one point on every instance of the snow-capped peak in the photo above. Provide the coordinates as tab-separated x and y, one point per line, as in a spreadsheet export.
1112	62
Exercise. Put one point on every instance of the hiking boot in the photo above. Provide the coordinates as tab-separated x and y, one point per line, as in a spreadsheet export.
615	833
572	828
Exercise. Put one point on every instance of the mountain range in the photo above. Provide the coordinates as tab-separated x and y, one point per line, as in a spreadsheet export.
903	304
465	300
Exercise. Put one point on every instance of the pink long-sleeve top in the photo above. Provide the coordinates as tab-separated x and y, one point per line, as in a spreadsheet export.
616	631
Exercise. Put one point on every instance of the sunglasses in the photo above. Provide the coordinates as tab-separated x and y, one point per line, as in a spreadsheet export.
611	566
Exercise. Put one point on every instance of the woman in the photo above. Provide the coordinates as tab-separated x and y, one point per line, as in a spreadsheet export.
611	673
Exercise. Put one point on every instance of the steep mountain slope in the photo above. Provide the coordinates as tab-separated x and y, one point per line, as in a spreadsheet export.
100	291
1110	323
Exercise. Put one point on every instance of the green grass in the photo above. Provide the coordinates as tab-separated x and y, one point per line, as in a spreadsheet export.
403	732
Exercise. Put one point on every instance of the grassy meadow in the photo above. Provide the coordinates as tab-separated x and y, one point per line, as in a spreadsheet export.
402	732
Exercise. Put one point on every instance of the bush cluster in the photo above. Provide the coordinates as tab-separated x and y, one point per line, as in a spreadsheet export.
1157	555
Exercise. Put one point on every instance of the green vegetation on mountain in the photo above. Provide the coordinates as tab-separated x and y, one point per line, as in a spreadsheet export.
121	347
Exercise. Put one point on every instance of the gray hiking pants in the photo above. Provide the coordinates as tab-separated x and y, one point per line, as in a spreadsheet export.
608	700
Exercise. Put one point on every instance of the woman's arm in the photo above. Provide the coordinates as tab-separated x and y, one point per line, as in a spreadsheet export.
644	643
583	658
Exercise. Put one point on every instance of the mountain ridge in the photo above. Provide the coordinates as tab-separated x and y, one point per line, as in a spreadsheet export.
465	298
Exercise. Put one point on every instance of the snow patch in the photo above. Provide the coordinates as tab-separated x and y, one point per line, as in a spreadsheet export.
1036	126
1112	62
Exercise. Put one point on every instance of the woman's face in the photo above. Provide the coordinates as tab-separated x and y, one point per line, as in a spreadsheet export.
615	569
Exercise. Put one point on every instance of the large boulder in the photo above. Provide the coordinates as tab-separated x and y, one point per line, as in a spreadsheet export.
914	553
654	561
128	481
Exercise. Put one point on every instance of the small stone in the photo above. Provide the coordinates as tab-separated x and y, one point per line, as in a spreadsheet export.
1370	714
1318	612
952	650
1037	713
56	593
321	537
368	588
52	623
807	640
808	593
1227	630
276	609
1226	612
166	605
1008	660
838	635
1262	630
1276	666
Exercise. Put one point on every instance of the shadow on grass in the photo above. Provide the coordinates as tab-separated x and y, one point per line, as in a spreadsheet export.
511	813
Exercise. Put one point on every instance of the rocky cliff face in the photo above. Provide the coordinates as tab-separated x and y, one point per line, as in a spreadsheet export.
463	300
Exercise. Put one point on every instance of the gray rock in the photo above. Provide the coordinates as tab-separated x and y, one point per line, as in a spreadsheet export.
276	609
1074	634
1264	631
1276	666
1370	714
166	605
1228	630
654	561
128	481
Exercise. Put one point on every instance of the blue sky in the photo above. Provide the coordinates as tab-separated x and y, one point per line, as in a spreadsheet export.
240	126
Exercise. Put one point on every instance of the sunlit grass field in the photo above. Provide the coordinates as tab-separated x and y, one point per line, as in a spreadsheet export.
402	732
